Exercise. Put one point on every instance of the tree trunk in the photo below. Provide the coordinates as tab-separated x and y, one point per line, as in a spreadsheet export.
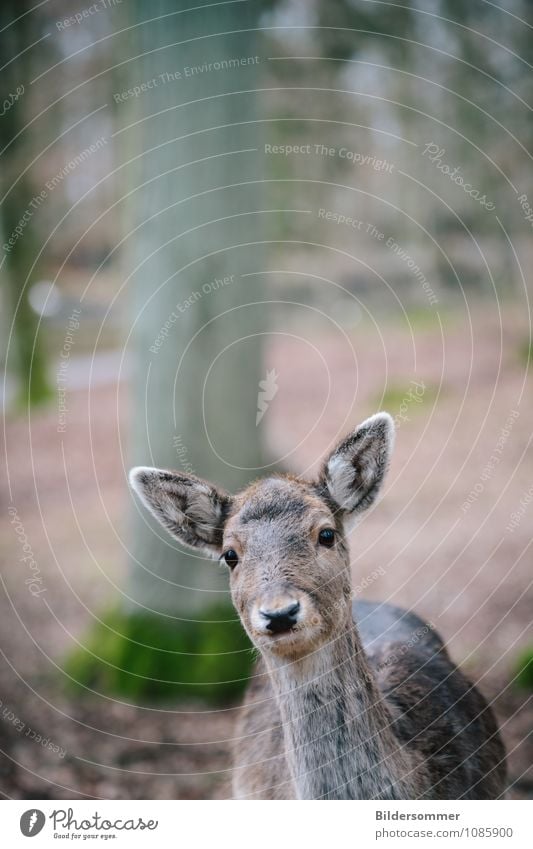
24	358
193	335
195	343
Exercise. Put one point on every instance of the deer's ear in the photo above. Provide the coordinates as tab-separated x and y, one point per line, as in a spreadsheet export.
191	509
354	472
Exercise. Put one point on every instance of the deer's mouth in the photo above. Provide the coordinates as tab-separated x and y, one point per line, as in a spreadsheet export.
282	633
293	641
281	636
267	637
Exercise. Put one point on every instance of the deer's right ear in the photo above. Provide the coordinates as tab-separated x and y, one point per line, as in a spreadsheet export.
191	509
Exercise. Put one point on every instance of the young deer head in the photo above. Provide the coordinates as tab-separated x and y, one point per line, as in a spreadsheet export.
282	538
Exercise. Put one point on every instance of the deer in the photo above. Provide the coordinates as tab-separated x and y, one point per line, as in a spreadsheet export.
349	699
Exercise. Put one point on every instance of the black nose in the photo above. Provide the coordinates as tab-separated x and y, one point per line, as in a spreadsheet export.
283	619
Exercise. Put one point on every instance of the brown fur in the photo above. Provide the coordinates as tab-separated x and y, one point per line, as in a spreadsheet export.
347	702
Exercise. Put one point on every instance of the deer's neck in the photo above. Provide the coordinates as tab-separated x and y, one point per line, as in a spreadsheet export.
337	727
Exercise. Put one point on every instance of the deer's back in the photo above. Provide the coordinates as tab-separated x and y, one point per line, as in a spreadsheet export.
435	709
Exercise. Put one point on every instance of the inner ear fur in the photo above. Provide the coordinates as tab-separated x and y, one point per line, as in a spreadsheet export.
354	472
193	510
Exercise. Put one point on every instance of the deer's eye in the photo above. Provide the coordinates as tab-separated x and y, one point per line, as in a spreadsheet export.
231	557
326	537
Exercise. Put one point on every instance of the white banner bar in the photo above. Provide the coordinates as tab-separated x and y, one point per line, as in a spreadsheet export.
267	825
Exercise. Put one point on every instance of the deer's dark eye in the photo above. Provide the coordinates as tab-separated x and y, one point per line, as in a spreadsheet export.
231	557
326	537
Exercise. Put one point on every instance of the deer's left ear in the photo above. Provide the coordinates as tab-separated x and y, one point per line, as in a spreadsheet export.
192	510
354	472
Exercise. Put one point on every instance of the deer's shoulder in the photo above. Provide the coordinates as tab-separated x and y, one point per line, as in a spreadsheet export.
381	624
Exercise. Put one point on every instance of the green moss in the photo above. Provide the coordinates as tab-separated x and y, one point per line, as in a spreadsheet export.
525	352
524	670
147	657
421	318
397	395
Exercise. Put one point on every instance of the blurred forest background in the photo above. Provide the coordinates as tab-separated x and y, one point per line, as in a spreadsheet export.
228	234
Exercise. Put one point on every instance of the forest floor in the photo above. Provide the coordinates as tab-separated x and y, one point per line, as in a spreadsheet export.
459	567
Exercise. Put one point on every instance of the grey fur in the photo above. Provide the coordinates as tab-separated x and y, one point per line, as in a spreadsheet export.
355	701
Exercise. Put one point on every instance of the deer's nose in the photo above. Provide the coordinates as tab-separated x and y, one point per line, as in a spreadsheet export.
281	619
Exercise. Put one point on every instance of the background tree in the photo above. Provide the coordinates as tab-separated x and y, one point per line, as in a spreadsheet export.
25	359
194	223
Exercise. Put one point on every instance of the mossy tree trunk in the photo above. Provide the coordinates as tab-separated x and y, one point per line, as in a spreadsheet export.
193	226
